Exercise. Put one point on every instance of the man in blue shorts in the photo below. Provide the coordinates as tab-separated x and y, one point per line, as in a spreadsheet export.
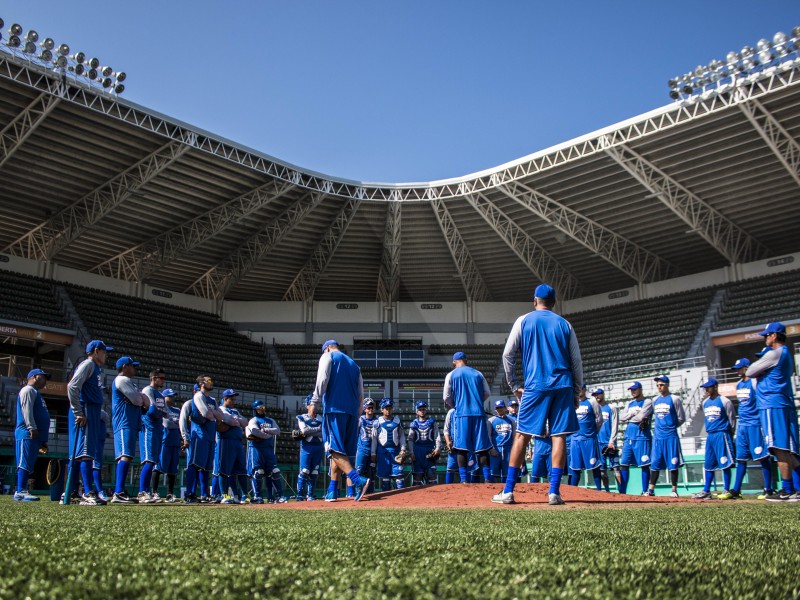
607	438
502	429
389	447
465	390
312	449
776	407
424	445
585	450
720	419
367	429
170	446
203	414
262	463
340	391
638	445
151	436
452	463
668	414
127	403
33	427
553	373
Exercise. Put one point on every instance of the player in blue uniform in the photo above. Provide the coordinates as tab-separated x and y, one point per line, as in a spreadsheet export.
749	442
232	462
97	464
720	419
185	427
502	429
452	463
541	459
170	446
127	403
262	433
584	447
30	435
312	449
367	430
203	414
85	391
389	447
553	373
637	447
668	415
607	438
151	436
340	391
423	440
465	390
775	398
513	411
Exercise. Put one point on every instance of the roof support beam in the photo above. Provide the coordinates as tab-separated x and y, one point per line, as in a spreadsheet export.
785	147
721	233
305	282
140	262
389	275
24	124
215	283
46	240
539	262
471	279
630	258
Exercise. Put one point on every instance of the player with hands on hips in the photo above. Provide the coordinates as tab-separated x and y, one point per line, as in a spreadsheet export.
668	415
638	445
720	417
312	449
424	445
389	447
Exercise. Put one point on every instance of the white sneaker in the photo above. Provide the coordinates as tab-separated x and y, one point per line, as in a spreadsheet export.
144	498
155	498
673	495
89	499
503	498
25	496
555	499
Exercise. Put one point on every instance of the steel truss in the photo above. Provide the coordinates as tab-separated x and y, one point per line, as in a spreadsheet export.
389	276
785	147
721	233
24	124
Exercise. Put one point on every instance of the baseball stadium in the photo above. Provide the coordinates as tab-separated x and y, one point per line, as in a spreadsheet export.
170	398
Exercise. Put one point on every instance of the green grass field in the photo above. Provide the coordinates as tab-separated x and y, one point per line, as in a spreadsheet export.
738	551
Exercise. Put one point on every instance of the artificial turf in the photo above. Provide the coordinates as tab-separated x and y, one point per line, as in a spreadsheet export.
744	550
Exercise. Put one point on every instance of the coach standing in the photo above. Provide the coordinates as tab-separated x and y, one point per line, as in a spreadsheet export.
553	373
340	391
33	426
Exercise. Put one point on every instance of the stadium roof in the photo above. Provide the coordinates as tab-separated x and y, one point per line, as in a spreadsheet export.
97	183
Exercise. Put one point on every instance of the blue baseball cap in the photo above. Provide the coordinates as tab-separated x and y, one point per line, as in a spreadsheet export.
369	402
36	372
598	391
420	404
95	345
126	360
710	383
500	404
459	356
742	362
168	392
635	386
257	404
763	351
773	328
196	387
229	392
545	292
386	402
662	378
513	402
329	343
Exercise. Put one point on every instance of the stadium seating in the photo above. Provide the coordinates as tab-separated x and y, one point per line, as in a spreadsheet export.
30	300
184	342
761	300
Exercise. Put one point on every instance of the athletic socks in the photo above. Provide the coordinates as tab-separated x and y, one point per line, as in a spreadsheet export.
796	478
555	479
645	478
597	480
171	483
278	485
22	480
487	474
255	485
202	482
726	479
122	474
301	484
573	478
351	491
312	483
333	486
511	479
741	469
709	477
86	475
216	487
191	479
399	483
145	477
155	481
766	472
788	486
463	474
449	477
624	475
98	480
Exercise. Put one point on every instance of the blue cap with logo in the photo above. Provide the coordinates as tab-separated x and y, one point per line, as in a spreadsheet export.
710	383
513	402
126	360
740	364
773	328
386	402
36	372
257	404
168	392
459	356
229	392
598	391
763	351
329	343
96	345
369	402
662	379
421	404
544	291
635	386
499	404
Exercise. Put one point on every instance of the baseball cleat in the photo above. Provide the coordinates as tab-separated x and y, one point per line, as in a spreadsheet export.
122	498
362	490
555	499
503	498
730	495
780	496
25	496
702	496
673	495
330	496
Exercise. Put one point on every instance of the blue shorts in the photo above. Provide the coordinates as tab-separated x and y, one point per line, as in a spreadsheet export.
364	464
498	465
150	445
125	443
201	452
215	466
750	444
87	445
168	459
311	459
340	433
780	428
605	461
231	458
542	458
470	434
386	465
667	454
27	452
636	453
584	454
556	407
452	462
420	463
262	459
719	451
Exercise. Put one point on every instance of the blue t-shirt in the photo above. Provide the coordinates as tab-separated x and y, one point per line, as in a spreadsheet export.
124	414
502	431
775	384
587	420
235	432
716	414
748	406
41	417
367	429
545	348
468	391
665	417
632	431
342	394
604	436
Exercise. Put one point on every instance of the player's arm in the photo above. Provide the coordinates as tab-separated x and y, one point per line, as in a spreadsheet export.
487	392
373	446
575	362
228	418
645	413
448	438
402	435
614	418
766	362
409	439
183	421
626	414
323	376
204	409
510	356
727	406
27	398
437	437
360	389
680	413
254	431
270	427
128	389
81	376
447	393
598	414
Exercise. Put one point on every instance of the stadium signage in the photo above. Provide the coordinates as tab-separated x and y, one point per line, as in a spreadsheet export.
4	258
783	260
55	388
36	334
430	306
347	306
374	386
161	293
620	294
405	386
748	336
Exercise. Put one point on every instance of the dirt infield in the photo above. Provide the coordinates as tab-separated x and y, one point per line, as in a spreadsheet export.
527	495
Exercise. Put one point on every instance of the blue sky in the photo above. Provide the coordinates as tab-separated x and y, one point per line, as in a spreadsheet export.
402	91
